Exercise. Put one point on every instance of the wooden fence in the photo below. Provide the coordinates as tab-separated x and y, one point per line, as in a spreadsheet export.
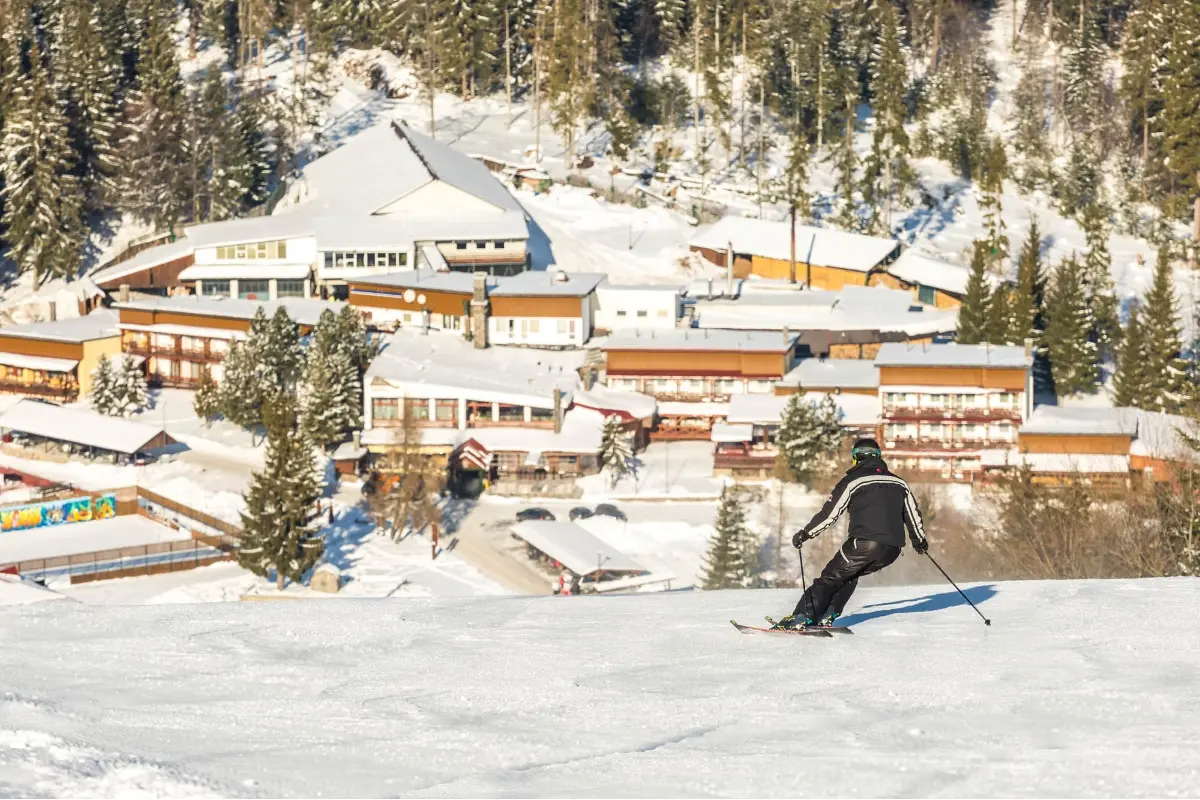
221	525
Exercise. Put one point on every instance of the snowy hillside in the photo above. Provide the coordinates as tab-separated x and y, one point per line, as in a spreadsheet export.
627	696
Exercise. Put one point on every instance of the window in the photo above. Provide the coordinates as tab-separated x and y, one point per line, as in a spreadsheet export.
535	326
512	327
370	259
925	294
1004	400
401	259
254	290
727	386
498	244
215	288
641	312
481	245
663	385
289	288
509	413
562	326
329	261
385	408
571	327
623	383
460	245
447	410
253	252
416	408
759	387
541	415
622	312
662	312
691	386
218	346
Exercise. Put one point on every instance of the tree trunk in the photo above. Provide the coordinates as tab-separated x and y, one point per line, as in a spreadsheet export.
278	579
1014	26
936	42
792	252
821	97
507	66
1196	224
696	68
762	143
742	132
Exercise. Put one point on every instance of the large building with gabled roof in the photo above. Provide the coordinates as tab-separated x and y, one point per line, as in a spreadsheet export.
389	199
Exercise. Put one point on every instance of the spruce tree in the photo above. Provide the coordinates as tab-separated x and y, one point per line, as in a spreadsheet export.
887	170
1130	382
43	202
280	528
1069	324
1029	293
809	435
101	395
279	358
1163	340
1097	280
974	316
991	185
207	402
1143	43
130	393
239	391
727	564
1000	316
154	156
615	449
331	394
1084	77
1181	98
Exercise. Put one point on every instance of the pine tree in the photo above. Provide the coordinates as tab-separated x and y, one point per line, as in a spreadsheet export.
974	316
991	185
207	403
1163	340
331	395
280	529
154	156
279	359
1069	325
1181	98
1031	117
1130	382
1097	280
130	392
103	385
1143	46
809	435
670	15
43	202
1029	293
239	391
727	565
1000	316
887	169
615	449
1084	72
90	76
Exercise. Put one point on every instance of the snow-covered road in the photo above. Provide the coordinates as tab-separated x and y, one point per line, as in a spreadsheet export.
618	696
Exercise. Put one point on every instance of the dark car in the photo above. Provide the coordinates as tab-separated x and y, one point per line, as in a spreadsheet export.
580	512
609	510
525	515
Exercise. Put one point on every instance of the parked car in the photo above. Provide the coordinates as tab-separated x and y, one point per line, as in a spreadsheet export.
580	512
609	510
527	514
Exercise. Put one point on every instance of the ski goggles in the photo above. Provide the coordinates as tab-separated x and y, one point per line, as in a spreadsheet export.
860	453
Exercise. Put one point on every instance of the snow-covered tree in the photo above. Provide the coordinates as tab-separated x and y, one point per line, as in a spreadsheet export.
1029	293
730	563
43	203
103	388
991	186
130	393
278	356
1162	340
809	435
615	449
975	314
280	528
1130	380
207	403
1097	280
887	171
240	392
1069	323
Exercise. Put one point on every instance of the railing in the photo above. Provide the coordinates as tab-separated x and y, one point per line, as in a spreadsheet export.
945	444
188	353
950	415
174	382
221	525
68	393
732	461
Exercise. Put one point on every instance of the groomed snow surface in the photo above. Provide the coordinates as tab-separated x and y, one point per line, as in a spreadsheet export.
641	696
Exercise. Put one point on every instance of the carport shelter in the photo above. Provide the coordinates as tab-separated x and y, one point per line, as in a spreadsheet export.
77	429
578	551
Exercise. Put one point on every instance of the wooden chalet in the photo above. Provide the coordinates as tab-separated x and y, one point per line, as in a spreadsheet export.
54	360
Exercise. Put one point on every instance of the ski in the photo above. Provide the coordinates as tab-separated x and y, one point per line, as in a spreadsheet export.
832	629
799	632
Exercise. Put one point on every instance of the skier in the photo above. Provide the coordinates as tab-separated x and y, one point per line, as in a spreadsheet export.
881	508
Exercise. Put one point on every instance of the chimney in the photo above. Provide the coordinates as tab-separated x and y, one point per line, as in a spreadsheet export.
123	293
787	335
479	311
53	311
558	411
1029	348
710	288
356	439
729	270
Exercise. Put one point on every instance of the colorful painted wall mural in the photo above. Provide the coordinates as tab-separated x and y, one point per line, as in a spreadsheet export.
57	512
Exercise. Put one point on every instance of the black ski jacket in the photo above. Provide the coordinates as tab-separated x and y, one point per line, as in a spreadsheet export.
881	506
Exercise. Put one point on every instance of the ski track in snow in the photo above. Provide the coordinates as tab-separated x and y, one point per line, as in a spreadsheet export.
618	696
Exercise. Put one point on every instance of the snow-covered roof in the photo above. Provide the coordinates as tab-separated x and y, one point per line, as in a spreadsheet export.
575	548
700	340
1162	435
840	373
423	279
1073	421
38	362
854	410
348	451
151	257
683	408
305	311
218	272
899	354
581	433
444	365
1095	463
249	229
554	283
391	232
727	432
77	426
918	268
100	324
85	537
665	288
389	161
186	330
601	398
820	246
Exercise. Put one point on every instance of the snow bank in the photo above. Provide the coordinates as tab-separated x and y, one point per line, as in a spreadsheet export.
14	591
596	696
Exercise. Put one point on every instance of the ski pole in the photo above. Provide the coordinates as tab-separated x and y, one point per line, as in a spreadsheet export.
986	621
803	583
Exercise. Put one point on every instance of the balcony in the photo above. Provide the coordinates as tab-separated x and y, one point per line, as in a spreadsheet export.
67	393
174	382
914	414
933	445
177	353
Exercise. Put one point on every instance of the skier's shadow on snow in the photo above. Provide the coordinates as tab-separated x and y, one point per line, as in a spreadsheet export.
920	605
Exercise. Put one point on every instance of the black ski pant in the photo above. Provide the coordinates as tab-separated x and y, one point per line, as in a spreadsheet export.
829	593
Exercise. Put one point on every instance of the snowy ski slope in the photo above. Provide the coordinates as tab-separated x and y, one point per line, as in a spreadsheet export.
620	696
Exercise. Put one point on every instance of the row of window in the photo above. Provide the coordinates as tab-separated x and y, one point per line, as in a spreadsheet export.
497	244
952	402
253	289
970	432
389	408
335	259
524	328
721	386
253	252
641	312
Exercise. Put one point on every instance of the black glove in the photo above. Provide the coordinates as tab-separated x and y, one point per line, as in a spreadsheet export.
799	538
921	547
